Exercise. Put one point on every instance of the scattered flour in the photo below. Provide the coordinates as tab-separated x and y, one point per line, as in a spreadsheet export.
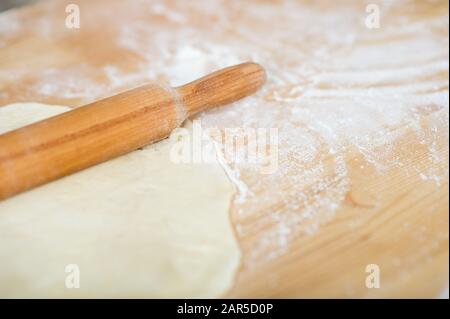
334	88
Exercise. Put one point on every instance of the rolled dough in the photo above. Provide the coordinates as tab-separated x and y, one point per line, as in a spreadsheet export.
136	226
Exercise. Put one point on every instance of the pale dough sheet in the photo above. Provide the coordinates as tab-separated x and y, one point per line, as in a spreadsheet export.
136	226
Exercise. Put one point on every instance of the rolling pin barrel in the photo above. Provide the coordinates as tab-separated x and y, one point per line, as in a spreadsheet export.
75	140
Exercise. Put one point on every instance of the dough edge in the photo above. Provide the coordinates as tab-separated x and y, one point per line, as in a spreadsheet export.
34	257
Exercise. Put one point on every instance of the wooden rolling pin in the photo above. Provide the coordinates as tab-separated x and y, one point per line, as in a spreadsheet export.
67	143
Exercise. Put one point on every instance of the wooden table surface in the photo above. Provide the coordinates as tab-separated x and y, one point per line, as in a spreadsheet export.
395	217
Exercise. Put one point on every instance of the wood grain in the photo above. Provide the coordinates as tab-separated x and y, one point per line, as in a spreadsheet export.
393	217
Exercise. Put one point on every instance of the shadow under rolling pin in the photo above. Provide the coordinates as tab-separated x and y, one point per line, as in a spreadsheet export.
58	146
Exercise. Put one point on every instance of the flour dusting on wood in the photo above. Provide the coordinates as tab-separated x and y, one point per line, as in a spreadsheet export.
337	91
